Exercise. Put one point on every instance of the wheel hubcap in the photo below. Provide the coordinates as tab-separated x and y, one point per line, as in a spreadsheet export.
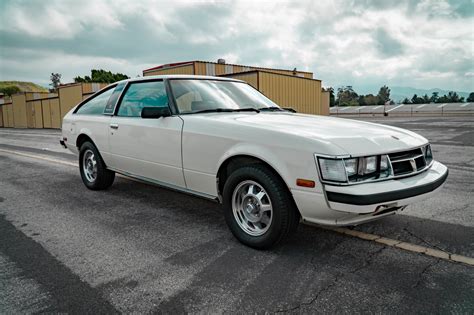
252	208
89	166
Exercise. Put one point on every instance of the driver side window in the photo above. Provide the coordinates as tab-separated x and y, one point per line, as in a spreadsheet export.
142	94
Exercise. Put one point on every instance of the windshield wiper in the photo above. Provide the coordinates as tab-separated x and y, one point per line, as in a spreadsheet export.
271	109
226	110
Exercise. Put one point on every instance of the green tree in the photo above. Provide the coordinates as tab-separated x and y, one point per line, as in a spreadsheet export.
371	99
416	99
406	101
426	99
346	96
470	98
383	95
102	76
10	90
332	99
55	81
434	97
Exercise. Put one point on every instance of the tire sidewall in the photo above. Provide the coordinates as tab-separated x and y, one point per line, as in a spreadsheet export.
279	210
89	146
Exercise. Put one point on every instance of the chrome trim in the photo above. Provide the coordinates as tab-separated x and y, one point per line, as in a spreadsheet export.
165	185
390	177
406	159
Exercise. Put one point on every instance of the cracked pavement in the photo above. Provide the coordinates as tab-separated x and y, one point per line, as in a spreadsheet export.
139	248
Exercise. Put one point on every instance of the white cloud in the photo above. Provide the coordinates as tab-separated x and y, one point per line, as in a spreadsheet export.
426	44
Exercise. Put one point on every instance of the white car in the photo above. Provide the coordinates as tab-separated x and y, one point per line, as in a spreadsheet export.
271	168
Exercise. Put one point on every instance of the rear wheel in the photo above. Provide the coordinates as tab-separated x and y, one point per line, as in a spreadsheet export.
94	173
259	209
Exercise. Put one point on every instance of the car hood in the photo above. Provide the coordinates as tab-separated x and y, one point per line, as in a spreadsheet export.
351	136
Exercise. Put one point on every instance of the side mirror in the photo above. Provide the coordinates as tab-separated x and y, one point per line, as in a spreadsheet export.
155	112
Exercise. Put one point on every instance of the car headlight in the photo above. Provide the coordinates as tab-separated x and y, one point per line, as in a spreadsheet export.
354	169
428	154
332	170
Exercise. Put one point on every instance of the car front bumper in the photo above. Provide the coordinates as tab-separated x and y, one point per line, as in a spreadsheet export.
355	204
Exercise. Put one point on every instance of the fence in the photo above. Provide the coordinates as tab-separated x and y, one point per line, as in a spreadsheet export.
44	110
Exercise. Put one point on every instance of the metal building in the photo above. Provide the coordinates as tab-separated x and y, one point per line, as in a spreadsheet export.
288	88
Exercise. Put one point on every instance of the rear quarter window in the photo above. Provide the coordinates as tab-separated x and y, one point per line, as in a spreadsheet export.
96	105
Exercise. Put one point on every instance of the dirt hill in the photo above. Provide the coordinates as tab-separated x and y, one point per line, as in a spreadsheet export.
23	86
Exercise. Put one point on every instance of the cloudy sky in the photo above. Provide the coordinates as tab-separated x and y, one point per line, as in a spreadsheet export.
422	44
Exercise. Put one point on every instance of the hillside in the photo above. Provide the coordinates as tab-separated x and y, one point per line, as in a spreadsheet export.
23	86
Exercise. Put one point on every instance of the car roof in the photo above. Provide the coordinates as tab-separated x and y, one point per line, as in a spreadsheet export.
180	76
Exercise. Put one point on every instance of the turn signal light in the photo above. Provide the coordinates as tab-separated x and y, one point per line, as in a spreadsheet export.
305	183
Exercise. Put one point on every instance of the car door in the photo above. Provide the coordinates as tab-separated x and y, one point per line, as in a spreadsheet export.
147	148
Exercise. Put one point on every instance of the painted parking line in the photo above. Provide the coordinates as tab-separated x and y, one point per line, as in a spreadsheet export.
354	233
347	107
421	106
464	105
442	105
376	107
404	245
395	108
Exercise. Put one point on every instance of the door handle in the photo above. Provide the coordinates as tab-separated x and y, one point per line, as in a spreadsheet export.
114	126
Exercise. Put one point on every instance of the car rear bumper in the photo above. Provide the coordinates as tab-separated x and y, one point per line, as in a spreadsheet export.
350	205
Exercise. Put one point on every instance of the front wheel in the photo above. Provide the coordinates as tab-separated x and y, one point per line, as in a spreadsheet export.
259	209
94	173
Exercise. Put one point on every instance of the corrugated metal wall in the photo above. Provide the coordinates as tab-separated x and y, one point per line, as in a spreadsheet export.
186	69
249	77
69	96
44	110
216	69
7	110
304	95
55	113
19	111
325	99
301	94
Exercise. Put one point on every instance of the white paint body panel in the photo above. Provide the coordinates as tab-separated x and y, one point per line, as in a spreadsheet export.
186	152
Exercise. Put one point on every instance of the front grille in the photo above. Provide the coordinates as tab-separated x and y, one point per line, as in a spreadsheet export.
407	162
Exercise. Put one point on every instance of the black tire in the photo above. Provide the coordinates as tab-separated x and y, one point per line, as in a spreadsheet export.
104	178
285	215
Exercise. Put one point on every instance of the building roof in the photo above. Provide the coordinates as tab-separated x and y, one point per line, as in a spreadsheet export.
185	63
179	76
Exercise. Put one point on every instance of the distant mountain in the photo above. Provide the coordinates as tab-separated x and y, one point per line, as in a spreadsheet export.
23	86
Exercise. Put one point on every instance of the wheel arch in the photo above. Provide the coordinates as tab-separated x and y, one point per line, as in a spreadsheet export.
233	162
83	137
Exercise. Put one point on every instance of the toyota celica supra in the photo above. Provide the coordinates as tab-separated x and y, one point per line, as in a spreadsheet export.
271	168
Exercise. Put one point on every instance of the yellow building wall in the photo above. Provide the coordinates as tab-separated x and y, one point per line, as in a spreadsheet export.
69	96
325	103
186	69
303	95
219	69
30	114
89	88
11	121
250	78
38	114
19	111
55	113
7	110
46	109
1	116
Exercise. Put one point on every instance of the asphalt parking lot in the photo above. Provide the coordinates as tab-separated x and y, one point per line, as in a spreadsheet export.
140	248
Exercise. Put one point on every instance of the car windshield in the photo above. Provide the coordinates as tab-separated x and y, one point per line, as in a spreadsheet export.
194	96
